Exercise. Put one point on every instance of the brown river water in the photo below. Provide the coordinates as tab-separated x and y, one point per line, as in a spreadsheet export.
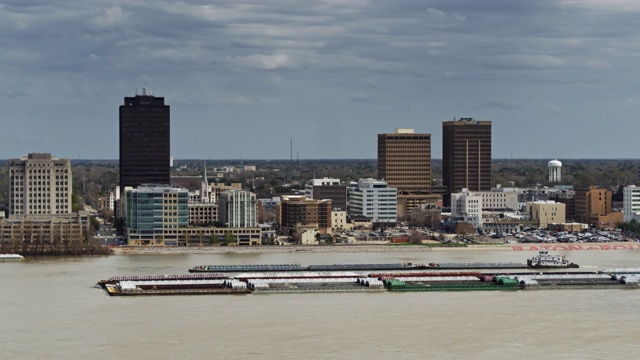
50	309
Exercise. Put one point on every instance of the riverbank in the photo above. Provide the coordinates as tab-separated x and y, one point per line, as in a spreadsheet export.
352	248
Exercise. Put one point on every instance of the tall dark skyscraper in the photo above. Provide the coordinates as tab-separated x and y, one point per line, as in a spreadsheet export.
144	141
466	155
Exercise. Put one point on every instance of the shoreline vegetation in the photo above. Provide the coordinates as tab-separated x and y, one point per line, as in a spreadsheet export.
367	248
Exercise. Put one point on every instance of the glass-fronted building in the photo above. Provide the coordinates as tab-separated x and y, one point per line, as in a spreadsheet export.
152	209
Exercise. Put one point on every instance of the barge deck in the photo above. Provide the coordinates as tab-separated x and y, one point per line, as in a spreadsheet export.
377	281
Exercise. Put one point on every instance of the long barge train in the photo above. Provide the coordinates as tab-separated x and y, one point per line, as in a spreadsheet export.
378	281
380	277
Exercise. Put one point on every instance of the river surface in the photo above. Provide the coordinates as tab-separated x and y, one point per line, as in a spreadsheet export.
50	309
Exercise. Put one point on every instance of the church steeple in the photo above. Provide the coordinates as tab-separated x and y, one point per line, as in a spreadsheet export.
205	173
206	189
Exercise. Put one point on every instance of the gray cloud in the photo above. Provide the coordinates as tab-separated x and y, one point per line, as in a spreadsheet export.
275	70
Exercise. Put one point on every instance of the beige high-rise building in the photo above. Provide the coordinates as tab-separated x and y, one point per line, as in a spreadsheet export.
404	161
39	185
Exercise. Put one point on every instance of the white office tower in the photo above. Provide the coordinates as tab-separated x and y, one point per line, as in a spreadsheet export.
373	199
555	171
631	203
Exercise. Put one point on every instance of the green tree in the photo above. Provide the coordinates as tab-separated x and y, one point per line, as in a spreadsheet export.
229	238
95	224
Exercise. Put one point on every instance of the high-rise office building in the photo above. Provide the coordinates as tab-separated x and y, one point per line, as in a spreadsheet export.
39	185
144	141
404	161
466	156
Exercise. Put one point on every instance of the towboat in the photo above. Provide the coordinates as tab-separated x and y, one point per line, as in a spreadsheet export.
544	260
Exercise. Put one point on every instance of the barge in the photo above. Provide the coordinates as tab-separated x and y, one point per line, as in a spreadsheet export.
11	258
298	267
355	267
172	285
392	281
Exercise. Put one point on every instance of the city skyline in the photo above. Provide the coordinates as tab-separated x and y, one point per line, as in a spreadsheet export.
245	77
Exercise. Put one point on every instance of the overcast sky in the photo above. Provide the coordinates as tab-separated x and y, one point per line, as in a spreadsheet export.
558	78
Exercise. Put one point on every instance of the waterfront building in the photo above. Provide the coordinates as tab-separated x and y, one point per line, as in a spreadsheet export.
631	203
467	207
237	208
201	236
39	184
466	155
374	199
149	210
144	141
590	203
58	231
160	215
545	212
327	188
555	171
297	211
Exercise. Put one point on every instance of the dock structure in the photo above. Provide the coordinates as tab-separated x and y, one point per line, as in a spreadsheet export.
375	281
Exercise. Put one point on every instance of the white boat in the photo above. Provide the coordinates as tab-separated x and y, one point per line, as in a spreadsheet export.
11	257
544	260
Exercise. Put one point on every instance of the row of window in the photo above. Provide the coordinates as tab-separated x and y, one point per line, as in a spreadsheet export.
32	207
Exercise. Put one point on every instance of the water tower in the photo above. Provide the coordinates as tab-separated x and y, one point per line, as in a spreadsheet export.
555	170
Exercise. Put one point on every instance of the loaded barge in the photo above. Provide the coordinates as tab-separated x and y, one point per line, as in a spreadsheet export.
542	260
204	284
381	281
352	267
